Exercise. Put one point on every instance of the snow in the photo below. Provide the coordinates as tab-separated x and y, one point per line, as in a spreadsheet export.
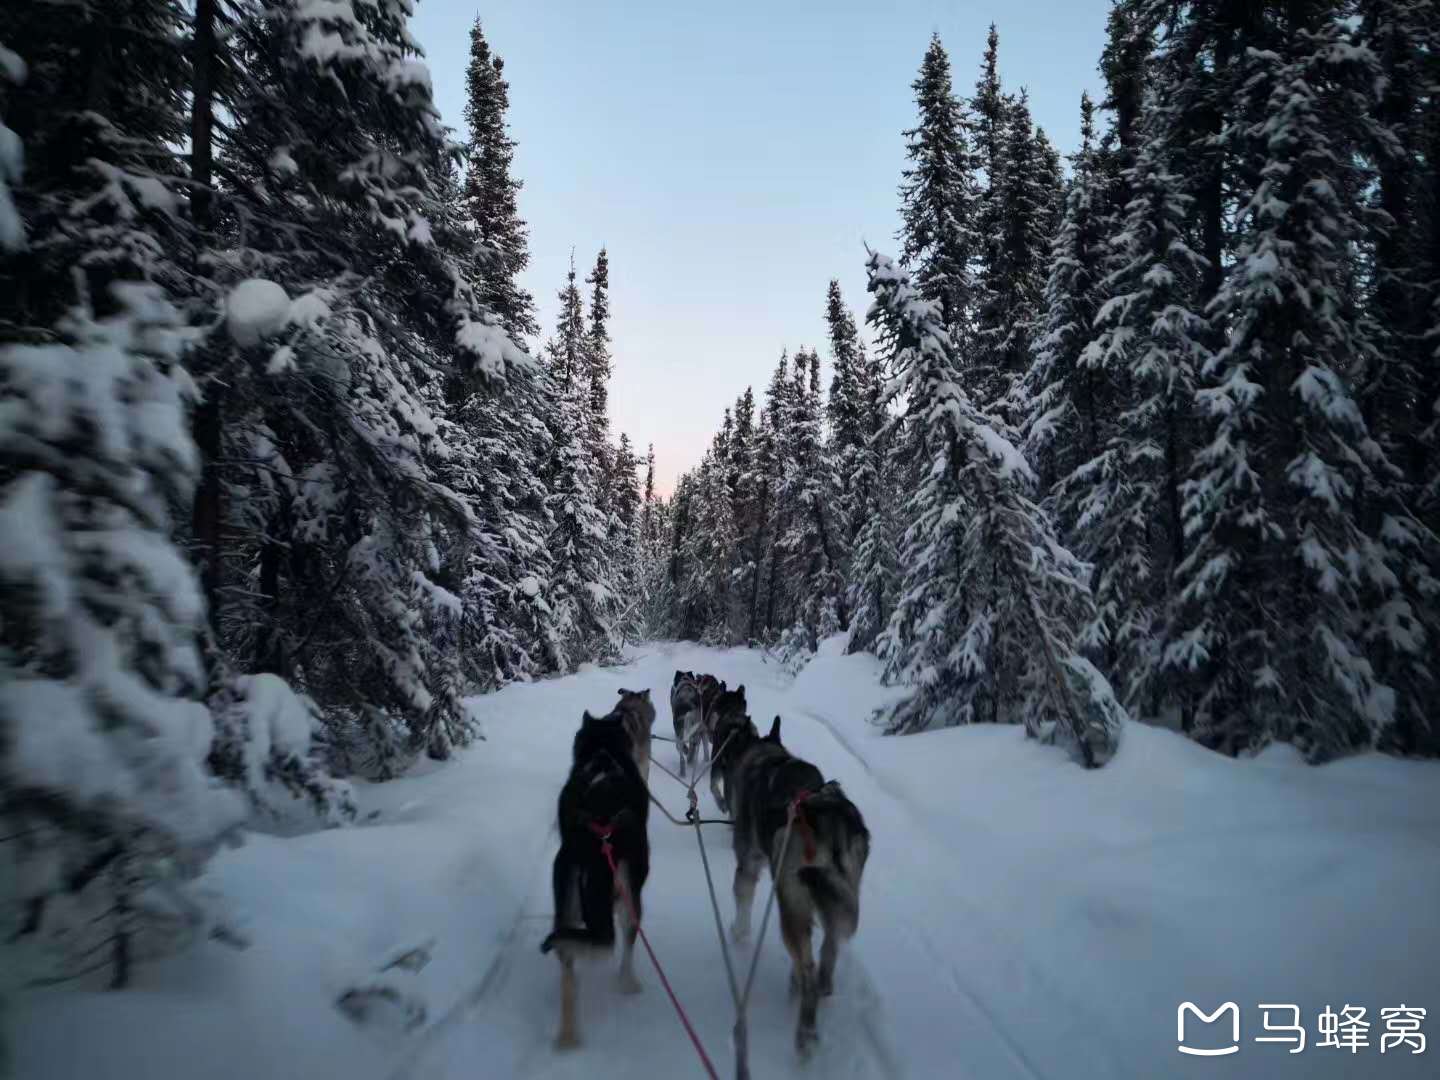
282	163
1022	917
12	164
12	66
256	309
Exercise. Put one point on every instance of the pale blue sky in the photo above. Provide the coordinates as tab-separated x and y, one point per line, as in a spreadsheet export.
733	158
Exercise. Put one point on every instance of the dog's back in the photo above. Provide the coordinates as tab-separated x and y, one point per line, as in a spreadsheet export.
604	789
687	707
840	847
829	842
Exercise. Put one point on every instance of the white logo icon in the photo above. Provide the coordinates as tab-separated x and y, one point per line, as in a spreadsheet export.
1208	1018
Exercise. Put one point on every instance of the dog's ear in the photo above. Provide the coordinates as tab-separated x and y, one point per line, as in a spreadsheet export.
622	691
586	719
722	686
678	676
774	735
741	691
645	693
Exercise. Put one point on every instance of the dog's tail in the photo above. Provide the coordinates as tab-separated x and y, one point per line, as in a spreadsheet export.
834	878
584	882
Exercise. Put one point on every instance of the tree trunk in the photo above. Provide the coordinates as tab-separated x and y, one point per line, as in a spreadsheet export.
208	423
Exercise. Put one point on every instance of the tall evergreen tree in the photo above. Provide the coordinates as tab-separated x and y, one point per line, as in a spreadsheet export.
814	573
873	573
566	348
1151	344
1269	626
774	460
936	194
1064	403
1022	199
991	607
491	193
596	352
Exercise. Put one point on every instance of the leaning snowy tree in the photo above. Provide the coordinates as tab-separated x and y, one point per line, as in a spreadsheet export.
991	604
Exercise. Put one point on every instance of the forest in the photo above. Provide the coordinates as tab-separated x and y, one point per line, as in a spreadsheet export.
289	472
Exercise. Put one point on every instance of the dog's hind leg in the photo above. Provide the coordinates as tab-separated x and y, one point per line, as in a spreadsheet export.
795	925
747	873
569	1037
629	984
829	950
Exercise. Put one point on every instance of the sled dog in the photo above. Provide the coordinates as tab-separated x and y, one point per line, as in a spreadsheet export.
687	712
822	864
638	713
604	801
727	722
710	690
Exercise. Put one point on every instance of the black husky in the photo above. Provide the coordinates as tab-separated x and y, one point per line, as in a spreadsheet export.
824	859
603	800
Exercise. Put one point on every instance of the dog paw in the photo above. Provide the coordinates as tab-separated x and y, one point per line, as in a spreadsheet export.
567	1040
805	1040
629	984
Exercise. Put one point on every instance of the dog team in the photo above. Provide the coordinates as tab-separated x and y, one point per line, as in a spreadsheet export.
604	855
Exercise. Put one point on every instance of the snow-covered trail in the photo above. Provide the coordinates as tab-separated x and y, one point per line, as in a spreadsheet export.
1021	918
510	1021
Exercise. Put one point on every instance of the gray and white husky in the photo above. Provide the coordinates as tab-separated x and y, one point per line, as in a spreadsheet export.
763	783
687	711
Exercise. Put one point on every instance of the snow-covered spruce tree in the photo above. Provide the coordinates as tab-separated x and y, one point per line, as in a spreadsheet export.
1125	64
1268	628
988	621
989	112
343	361
1150	343
849	412
774	460
1065	405
1398	383
106	802
503	446
624	538
491	194
1010	291
582	587
937	194
812	555
756	526
747	501
598	366
1198	80
706	591
874	574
